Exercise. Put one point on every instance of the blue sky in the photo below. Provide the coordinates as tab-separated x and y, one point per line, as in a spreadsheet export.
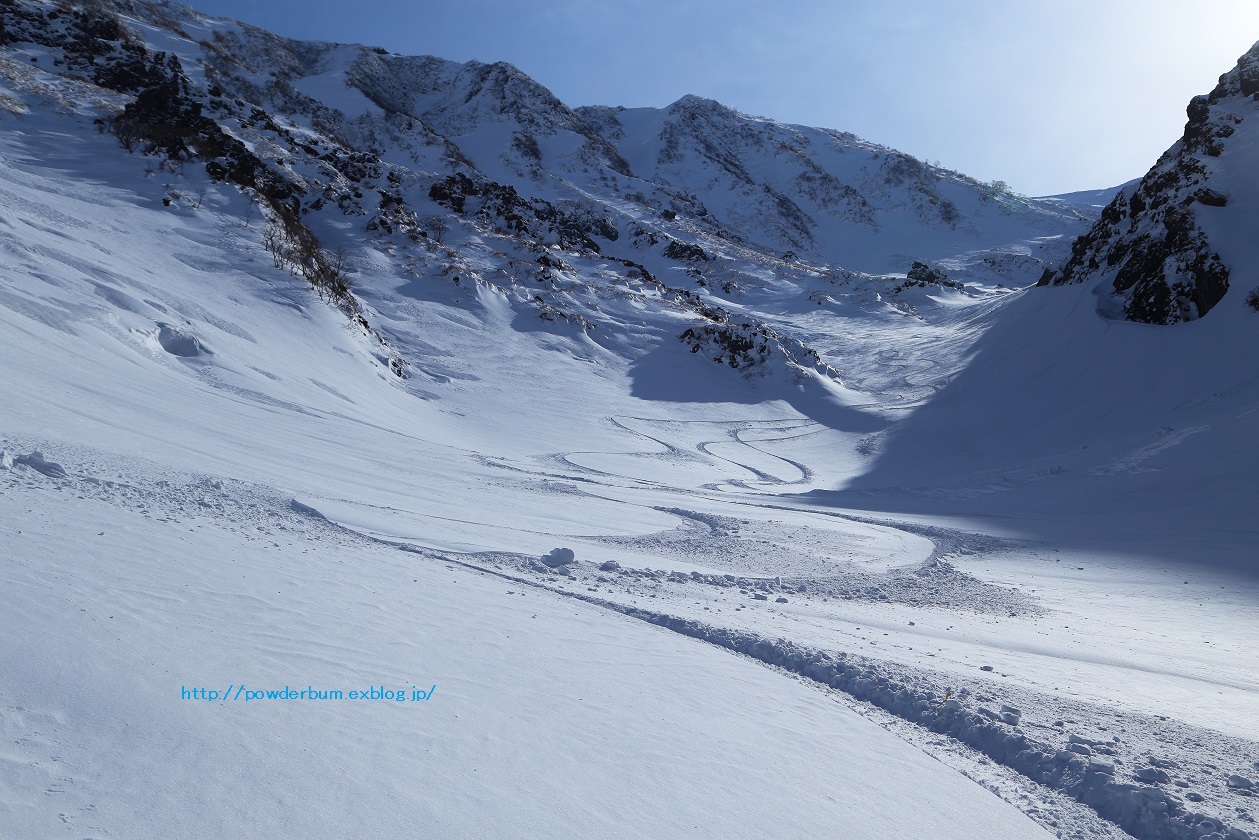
1047	96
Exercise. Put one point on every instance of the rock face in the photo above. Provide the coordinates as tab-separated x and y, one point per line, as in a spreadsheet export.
1159	244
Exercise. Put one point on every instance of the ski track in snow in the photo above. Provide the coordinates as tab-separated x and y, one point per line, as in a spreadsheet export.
1045	754
766	469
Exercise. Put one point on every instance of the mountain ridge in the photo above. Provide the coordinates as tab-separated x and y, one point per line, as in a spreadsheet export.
332	135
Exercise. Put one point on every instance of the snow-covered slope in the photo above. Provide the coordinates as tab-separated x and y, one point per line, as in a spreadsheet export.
1093	199
1067	407
1171	247
477	174
819	194
1063	391
823	194
301	382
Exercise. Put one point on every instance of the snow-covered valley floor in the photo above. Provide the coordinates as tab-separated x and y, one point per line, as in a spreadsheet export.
585	702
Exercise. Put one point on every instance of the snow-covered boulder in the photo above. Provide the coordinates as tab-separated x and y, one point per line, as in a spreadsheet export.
559	557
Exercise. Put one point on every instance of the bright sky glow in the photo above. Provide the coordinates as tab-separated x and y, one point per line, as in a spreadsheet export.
1050	97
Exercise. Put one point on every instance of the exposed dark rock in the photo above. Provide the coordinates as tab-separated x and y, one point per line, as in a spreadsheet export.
452	191
1211	198
530	218
751	348
685	251
922	275
1149	241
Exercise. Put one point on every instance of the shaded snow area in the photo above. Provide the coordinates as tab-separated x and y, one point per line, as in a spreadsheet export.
579	512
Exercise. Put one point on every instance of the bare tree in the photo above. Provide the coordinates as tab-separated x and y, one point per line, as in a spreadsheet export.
276	243
436	228
338	263
128	134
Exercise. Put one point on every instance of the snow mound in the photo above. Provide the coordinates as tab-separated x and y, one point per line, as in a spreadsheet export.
180	342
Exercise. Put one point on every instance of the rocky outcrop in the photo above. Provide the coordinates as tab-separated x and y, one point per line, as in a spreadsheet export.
922	276
755	349
1152	244
530	218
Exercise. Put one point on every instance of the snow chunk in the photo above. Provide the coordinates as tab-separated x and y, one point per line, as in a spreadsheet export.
1153	775
559	557
305	510
37	462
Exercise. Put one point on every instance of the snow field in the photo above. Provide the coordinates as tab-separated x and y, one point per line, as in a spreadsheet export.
138	600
